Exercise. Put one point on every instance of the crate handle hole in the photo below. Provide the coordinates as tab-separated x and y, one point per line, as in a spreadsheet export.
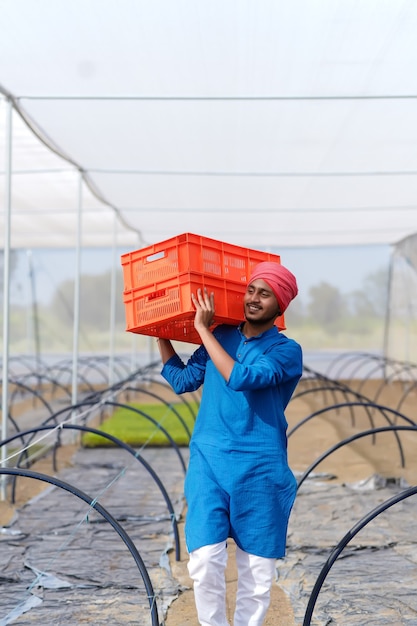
156	294
155	257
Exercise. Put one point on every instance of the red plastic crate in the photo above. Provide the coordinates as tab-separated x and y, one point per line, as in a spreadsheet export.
159	280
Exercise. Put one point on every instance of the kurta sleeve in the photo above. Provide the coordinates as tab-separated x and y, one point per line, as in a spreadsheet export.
186	377
282	364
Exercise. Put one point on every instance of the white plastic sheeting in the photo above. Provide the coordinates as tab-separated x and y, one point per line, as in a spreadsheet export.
46	196
266	124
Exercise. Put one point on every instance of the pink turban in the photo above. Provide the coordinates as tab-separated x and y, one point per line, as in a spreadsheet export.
281	281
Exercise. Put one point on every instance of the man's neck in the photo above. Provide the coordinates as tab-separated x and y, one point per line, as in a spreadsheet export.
252	330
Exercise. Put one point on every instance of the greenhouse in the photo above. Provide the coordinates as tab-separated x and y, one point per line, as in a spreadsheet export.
272	129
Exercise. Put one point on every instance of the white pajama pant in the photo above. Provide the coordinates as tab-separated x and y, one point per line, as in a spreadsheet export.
255	577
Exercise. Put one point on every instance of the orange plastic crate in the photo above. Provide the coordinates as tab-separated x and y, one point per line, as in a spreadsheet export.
159	280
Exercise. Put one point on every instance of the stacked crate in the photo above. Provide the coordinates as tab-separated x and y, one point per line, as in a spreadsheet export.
159	281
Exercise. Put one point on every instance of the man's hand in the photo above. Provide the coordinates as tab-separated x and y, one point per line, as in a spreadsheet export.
204	315
204	306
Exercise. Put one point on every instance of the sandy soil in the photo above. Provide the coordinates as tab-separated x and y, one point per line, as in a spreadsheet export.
27	489
353	462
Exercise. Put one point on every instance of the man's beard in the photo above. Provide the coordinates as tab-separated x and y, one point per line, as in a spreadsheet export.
263	320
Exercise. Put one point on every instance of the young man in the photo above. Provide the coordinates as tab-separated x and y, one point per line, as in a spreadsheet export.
238	481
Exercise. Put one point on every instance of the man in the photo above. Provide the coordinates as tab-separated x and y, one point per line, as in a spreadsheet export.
238	481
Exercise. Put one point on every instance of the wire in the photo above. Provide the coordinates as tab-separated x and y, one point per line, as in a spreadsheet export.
222	98
253	174
222	210
142	172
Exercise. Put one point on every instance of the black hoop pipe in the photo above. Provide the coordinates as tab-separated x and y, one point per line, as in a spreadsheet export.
411	491
42	378
181	398
108	517
343	389
381	366
404	396
126	406
165	403
343	357
344	442
331	386
32	392
126	447
96	404
156	397
407	367
61	368
379	407
26	360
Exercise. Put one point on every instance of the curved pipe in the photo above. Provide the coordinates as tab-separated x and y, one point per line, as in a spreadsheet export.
322	383
108	517
28	361
126	447
165	403
405	395
94	403
411	491
156	397
345	391
344	442
344	360
32	392
35	394
331	386
180	397
405	367
130	408
381	365
41	379
61	368
382	409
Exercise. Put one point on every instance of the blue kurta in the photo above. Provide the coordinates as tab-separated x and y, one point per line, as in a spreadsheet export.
238	482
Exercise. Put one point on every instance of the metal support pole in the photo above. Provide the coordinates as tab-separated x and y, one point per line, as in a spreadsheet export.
112	325
34	312
76	325
388	320
6	294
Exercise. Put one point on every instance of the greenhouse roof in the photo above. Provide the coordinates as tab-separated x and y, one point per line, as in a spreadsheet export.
266	124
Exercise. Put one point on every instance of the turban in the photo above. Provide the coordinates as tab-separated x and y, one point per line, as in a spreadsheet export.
281	281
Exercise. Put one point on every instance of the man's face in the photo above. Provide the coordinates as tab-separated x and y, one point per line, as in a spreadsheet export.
259	303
